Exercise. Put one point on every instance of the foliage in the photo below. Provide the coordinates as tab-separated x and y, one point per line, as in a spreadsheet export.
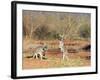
43	32
48	25
84	31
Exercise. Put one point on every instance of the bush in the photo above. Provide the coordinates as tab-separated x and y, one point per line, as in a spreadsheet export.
85	31
41	32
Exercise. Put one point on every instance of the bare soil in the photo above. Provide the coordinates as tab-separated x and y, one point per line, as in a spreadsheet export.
54	60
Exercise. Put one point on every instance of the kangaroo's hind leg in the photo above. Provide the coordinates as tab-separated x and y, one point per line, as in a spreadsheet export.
41	56
35	56
65	55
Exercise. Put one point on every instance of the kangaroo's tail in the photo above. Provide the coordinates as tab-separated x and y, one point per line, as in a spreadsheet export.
29	57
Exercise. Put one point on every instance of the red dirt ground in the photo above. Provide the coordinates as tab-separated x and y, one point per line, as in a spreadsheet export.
55	60
54	57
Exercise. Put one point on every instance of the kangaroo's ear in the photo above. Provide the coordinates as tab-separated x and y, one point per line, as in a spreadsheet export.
43	49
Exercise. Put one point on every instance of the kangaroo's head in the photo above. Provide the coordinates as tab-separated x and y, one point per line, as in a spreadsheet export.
45	48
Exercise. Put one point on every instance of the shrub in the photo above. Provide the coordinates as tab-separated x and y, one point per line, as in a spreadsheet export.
85	31
41	32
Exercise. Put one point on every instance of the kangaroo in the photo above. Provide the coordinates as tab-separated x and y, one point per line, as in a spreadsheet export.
39	52
62	48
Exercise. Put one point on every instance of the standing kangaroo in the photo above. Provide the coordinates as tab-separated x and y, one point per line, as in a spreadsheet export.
62	48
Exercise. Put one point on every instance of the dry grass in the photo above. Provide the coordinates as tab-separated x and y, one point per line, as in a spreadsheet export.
53	62
54	58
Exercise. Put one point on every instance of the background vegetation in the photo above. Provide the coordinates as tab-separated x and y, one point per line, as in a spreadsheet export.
42	25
